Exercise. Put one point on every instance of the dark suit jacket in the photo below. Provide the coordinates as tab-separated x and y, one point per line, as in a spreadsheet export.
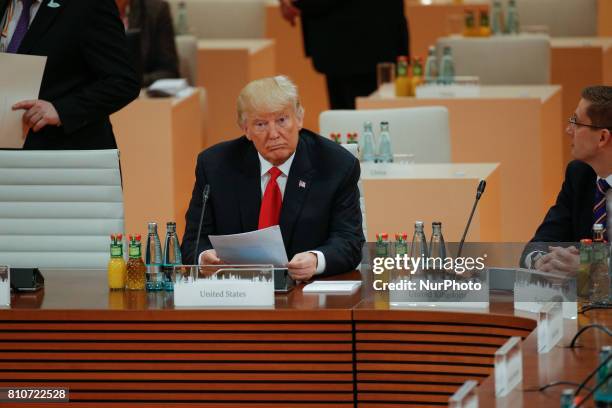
87	76
159	58
352	36
571	218
323	216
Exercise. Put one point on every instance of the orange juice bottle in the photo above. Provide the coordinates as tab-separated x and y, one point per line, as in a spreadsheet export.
485	27
470	23
117	269
402	81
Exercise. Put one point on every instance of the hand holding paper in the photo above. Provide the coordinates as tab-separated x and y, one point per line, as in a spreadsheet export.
38	114
20	79
261	247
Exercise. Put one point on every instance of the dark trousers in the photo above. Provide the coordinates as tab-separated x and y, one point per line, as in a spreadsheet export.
343	89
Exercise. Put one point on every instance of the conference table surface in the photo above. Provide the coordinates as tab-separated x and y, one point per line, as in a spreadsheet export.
135	348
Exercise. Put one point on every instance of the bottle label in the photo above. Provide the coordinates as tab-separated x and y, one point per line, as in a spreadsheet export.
116	250
134	251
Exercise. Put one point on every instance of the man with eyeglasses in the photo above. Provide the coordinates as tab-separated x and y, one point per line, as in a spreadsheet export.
279	174
582	201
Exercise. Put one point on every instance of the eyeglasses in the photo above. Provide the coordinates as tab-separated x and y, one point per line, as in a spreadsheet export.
262	126
573	122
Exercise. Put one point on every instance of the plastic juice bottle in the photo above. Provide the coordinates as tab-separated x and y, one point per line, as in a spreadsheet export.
135	268
402	81
117	270
470	24
485	27
417	75
584	279
401	244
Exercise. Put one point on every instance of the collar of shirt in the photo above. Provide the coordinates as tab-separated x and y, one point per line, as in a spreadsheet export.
265	166
608	179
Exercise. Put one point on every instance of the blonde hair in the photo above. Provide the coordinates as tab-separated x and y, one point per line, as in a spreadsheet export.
267	95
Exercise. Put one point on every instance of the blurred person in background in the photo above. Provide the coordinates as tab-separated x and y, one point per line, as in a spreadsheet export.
347	38
153	19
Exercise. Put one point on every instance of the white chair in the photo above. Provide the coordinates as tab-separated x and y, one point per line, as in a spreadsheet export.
58	208
422	131
501	60
564	18
221	19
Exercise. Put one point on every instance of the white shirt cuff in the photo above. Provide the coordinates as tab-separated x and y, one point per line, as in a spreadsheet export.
532	257
320	262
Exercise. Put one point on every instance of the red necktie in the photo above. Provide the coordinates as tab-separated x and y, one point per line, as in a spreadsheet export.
269	213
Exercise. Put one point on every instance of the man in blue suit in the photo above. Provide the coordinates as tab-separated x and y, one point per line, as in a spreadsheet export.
279	174
583	198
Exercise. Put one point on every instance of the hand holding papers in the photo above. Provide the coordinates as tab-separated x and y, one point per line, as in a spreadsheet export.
20	79
263	246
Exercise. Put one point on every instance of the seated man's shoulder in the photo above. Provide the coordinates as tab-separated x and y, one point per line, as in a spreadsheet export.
225	151
579	170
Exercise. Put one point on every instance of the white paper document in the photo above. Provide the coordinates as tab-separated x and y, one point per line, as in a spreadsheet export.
261	247
20	79
332	287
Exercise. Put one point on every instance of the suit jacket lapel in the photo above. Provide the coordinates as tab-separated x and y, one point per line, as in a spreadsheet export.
249	189
296	190
42	21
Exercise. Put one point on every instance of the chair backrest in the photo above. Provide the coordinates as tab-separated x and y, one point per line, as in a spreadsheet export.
564	18
212	19
422	131
58	208
187	51
502	60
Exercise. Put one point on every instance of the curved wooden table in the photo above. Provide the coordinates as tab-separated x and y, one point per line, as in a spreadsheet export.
310	350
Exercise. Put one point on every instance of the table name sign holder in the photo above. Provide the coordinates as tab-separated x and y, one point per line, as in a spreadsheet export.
550	326
5	286
466	396
438	289
462	87
223	285
533	289
508	367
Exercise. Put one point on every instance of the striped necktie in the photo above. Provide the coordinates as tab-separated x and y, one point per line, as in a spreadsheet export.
600	214
22	27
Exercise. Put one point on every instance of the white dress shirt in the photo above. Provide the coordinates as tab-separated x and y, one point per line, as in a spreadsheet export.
265	167
8	26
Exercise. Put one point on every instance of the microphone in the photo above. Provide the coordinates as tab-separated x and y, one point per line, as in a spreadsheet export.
479	191
205	194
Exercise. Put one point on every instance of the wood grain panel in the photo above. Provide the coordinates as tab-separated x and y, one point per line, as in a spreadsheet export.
439	351
153	358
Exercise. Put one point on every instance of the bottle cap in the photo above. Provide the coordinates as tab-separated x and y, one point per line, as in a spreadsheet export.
586	241
152	227
385	236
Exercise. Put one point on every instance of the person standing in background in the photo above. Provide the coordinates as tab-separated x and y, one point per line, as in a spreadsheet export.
347	38
158	49
87	75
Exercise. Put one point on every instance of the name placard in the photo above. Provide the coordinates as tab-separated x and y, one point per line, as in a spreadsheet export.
508	367
224	292
5	286
466	396
550	326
